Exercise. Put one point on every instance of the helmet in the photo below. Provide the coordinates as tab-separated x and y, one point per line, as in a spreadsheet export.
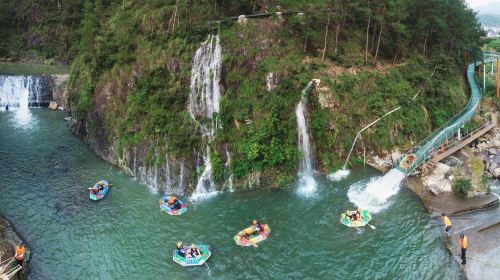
193	246
461	235
20	243
254	222
100	183
179	244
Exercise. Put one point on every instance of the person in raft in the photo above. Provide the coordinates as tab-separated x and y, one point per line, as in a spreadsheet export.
447	224
359	215
257	227
97	187
193	252
173	203
463	246
20	250
179	250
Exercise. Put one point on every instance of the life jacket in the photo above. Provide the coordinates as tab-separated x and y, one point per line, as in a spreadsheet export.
181	251
20	253
177	205
446	221
249	230
463	242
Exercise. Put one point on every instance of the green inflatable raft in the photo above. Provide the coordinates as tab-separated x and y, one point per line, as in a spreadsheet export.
205	250
360	222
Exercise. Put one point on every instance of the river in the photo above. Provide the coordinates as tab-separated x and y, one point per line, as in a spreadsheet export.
45	172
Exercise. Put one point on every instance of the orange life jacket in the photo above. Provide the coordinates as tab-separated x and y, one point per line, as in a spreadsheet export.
20	253
463	242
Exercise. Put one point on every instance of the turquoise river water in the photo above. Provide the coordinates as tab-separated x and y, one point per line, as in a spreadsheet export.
45	172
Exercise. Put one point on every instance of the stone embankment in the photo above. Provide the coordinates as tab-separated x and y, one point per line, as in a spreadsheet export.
475	214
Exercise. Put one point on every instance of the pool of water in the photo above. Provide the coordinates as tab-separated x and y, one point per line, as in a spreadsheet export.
45	172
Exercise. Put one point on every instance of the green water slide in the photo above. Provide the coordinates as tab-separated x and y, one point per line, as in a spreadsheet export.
424	150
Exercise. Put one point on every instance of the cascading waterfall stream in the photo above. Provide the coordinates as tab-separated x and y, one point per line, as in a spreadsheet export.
19	93
203	105
307	184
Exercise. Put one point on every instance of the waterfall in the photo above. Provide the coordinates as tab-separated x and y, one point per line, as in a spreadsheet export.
203	105
21	92
378	190
307	184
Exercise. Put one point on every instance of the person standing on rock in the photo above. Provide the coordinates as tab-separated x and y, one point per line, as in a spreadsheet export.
20	250
447	224
463	246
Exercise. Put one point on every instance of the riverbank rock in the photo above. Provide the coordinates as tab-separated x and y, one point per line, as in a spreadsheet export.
53	105
59	90
438	181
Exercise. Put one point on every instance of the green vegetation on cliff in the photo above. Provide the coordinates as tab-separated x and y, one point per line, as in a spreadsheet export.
131	72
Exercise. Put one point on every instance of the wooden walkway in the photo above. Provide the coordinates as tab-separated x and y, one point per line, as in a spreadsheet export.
467	140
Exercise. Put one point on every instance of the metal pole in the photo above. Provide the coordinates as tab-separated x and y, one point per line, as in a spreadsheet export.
498	77
458	134
484	77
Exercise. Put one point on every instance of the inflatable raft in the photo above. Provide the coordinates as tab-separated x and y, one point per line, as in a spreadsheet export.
174	212
358	223
102	193
241	240
205	250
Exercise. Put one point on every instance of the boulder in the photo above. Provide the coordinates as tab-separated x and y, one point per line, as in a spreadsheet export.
271	81
482	146
437	181
437	185
492	151
496	173
492	167
242	19
496	160
454	161
53	105
440	170
495	143
395	155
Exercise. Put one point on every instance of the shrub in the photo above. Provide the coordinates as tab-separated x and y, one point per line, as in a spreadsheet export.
461	186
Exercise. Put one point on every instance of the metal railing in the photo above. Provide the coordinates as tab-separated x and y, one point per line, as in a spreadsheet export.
425	148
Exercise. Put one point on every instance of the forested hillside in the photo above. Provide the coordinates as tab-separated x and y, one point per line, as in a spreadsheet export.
131	69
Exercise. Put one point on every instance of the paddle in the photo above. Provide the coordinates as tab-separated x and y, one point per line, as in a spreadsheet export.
372	227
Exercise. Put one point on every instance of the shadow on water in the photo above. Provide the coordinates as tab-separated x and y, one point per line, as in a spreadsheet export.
45	172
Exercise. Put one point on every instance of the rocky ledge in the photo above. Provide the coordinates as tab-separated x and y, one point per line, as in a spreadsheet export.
8	242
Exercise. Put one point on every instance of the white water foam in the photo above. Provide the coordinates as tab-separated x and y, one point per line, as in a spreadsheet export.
374	196
307	186
339	175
